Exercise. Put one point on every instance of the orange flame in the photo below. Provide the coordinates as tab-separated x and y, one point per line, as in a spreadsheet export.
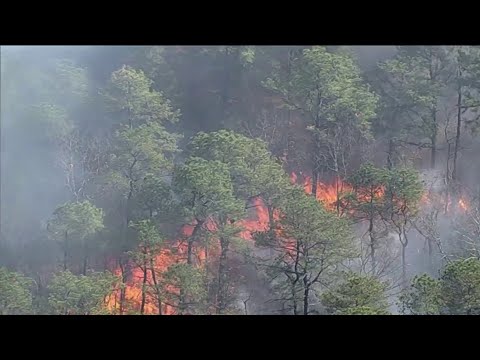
463	204
259	221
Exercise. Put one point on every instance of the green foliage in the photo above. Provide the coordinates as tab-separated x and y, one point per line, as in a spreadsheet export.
78	219
71	294
461	287
328	87
147	233
457	292
468	80
364	310
206	189
188	280
423	297
417	77
381	192
143	147
405	190
54	120
366	198
356	295
155	195
15	293
130	95
309	243
252	169
54	102
144	150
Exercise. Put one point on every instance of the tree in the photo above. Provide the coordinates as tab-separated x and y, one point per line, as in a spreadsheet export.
185	285
461	287
155	197
404	191
465	238
15	293
364	310
71	294
310	242
457	292
418	76
254	173
328	89
423	297
366	202
76	222
468	91
207	194
131	98
356	295
142	146
149	242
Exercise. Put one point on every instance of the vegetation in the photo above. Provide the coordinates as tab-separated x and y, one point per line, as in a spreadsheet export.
240	180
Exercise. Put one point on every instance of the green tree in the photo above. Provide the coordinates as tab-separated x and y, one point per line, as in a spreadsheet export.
15	293
131	98
185	285
364	310
71	294
142	148
403	192
310	242
366	202
467	84
423	297
457	292
355	295
418	76
254	172
75	222
207	194
461	287
149	243
327	88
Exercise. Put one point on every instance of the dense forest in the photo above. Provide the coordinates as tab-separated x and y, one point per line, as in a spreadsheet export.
202	180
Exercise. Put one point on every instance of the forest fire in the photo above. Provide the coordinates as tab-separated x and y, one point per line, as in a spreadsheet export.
329	194
257	222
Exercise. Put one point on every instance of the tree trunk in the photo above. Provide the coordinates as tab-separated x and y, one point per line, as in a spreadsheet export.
144	282
157	290
314	182
295	306
404	257
222	274
404	265
123	289
271	222
65	252
306	292
297	277
182	307
337	185
85	264
191	241
225	85
372	245
391	155
457	137
433	138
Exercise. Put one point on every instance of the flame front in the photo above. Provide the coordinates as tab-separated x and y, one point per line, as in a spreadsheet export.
328	194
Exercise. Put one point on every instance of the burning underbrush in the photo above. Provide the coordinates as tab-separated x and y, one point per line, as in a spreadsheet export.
163	298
